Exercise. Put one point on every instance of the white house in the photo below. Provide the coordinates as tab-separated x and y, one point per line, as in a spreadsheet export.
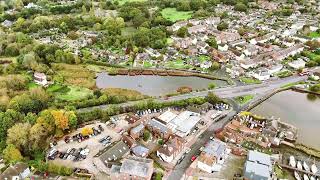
274	69
206	64
298	64
40	78
16	172
223	47
213	156
261	75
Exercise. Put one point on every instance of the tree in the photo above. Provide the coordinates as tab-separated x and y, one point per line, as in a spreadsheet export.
114	25
86	131
212	42
183	6
11	154
18	135
39	134
197	4
240	7
212	98
211	86
141	37
146	135
61	120
222	26
182	32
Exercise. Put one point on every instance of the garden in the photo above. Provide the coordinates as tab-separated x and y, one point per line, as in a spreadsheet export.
173	15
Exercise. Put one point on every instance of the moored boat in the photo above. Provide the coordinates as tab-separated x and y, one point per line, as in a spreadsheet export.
305	166
305	177
292	161
312	178
299	165
297	176
314	168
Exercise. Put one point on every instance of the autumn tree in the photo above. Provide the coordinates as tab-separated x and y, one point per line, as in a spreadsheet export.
38	136
11	154
18	135
86	131
60	119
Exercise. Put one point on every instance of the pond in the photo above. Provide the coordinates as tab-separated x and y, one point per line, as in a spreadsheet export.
299	109
154	85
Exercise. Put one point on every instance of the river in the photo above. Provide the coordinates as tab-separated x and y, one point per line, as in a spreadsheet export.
298	109
154	85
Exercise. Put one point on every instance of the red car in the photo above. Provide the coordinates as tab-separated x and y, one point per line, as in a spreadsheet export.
193	158
304	73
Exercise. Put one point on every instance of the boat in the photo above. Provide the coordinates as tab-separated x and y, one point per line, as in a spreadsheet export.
312	178
305	177
299	165
314	169
305	166
297	176
292	161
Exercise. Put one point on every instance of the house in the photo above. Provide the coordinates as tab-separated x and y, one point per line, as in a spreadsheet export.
7	23
135	168
158	129
140	151
206	64
184	123
262	75
212	156
137	131
40	78
265	38
115	153
248	64
129	141
258	166
196	29
297	64
167	116
224	47
16	172
171	149
284	53
212	20
176	26
275	68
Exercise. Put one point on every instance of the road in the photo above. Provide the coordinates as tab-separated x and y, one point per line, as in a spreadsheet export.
226	92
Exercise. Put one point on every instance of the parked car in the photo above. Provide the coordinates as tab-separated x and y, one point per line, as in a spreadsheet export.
193	158
100	128
67	139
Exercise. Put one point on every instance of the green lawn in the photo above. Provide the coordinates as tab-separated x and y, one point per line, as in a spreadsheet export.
248	80
203	58
173	15
178	64
284	74
244	99
32	85
121	2
314	35
147	64
169	41
74	93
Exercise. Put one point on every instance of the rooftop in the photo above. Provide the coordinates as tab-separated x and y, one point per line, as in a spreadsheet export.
215	148
137	166
186	120
115	153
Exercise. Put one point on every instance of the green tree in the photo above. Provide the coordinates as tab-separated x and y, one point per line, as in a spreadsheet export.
114	25
212	98
11	154
240	7
222	26
212	42
146	135
211	86
182	32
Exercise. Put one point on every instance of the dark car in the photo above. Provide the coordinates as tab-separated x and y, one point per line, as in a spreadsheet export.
67	139
61	155
72	150
65	156
100	128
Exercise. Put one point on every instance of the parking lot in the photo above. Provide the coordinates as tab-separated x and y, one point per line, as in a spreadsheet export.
80	154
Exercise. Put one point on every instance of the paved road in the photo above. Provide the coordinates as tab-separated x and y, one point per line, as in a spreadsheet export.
227	92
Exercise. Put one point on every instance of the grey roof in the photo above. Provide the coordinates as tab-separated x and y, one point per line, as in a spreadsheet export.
137	129
259	158
137	166
158	125
115	153
254	171
258	166
140	151
215	148
186	120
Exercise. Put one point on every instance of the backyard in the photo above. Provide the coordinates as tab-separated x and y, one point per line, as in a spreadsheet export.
314	34
173	15
178	64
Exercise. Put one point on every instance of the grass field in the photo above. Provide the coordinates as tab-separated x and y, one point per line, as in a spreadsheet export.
314	35
178	64
147	64
173	15
74	93
244	99
247	80
121	2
